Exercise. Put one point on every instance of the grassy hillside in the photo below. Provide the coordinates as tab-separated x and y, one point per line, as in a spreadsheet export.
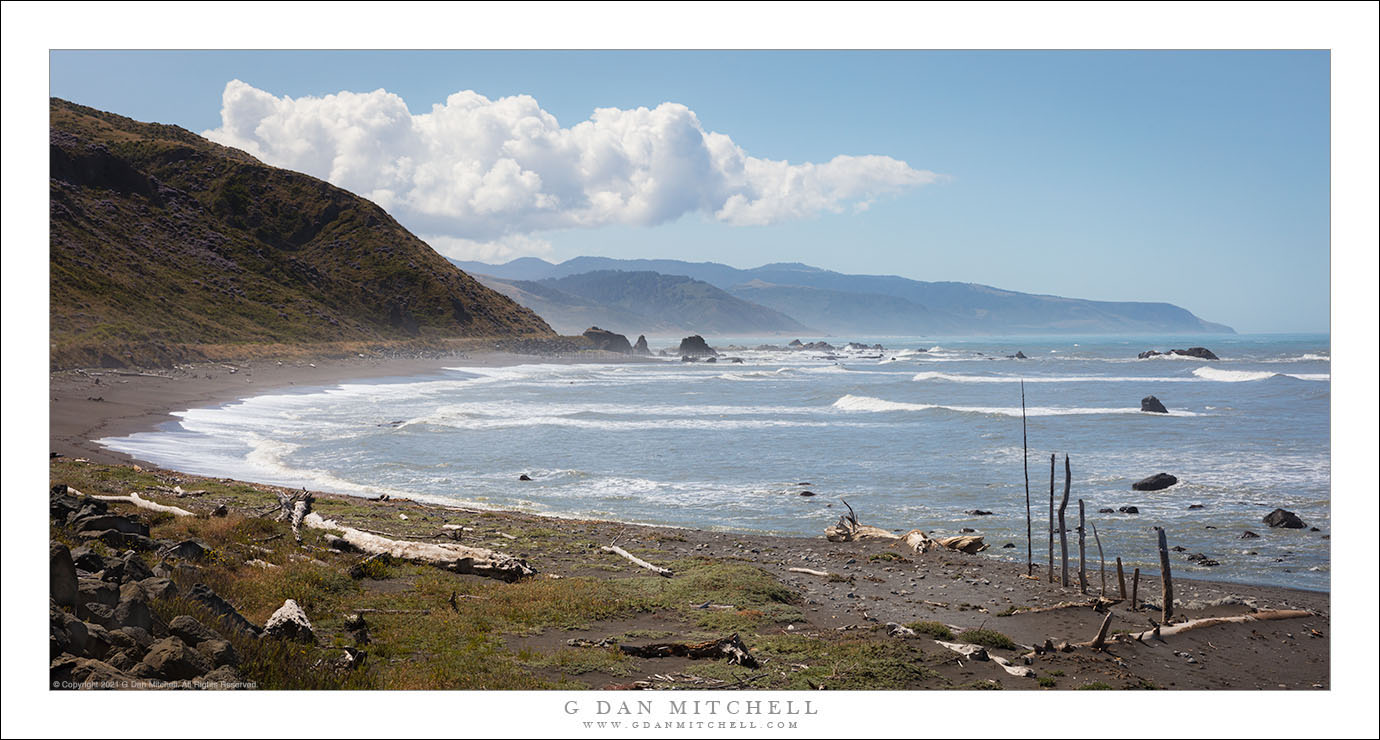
162	242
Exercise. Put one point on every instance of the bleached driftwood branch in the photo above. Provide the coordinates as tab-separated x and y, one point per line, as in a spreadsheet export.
142	503
456	558
616	550
1264	616
810	572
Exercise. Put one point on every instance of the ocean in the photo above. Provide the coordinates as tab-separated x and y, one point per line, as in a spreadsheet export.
911	436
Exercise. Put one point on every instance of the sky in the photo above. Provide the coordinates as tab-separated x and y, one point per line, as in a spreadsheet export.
1197	178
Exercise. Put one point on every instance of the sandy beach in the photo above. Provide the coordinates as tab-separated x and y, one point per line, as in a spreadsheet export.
866	585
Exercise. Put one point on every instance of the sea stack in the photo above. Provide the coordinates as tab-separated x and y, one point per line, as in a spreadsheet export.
607	340
1152	405
641	347
695	346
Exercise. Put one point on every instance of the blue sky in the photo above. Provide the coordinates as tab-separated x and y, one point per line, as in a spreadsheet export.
1198	178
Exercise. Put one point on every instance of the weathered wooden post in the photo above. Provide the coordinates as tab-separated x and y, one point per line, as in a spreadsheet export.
1082	552
1135	589
1063	529
1121	578
1051	518
1166	580
1101	562
1025	466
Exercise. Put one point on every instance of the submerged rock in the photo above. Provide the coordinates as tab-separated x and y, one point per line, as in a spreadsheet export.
1156	482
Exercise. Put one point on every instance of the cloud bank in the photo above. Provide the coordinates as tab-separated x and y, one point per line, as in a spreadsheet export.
483	171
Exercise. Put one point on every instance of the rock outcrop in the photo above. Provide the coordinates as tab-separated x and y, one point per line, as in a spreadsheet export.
640	348
1202	353
695	346
1152	405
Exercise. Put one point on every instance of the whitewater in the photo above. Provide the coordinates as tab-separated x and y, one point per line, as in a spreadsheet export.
913	435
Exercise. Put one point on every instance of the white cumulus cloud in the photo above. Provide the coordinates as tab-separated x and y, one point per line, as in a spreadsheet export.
484	172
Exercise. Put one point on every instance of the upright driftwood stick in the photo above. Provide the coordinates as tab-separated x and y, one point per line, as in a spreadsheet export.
1135	589
1051	518
1121	578
1166	581
1101	562
1082	552
1025	467
1063	529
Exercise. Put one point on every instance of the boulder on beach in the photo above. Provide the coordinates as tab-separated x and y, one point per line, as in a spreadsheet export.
640	348
1156	482
695	346
1152	405
607	340
1282	518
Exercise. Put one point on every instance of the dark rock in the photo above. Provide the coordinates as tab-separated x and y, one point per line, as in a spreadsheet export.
102	522
1152	405
156	588
1156	482
1147	354
525	476
219	652
1106	511
688	358
1008	545
123	540
98	641
71	672
1314	529
95	612
977	512
172	659
1192	507
1203	560
358	628
62	575
202	594
1179	548
95	590
123	660
290	623
140	637
191	631
224	677
184	550
1249	535
967	530
220	511
807	493
711	359
133	609
640	348
1202	353
1018	356
695	346
1129	510
607	340
88	560
1282	518
133	568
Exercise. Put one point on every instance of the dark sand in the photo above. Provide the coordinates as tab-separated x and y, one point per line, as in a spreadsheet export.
964	591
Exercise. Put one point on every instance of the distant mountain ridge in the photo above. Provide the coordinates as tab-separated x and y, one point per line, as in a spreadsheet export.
161	242
888	304
640	302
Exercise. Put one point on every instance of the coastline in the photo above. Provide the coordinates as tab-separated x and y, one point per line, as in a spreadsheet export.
869	584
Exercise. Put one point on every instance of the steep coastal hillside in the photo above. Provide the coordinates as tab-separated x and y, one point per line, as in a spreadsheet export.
162	242
643	302
929	307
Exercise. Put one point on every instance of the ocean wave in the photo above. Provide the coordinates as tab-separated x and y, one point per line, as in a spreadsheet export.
869	404
1245	376
961	378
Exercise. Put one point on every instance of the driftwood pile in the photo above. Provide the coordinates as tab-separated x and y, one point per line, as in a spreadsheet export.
849	529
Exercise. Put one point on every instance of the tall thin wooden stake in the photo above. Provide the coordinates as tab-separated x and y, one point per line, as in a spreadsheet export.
1135	589
1082	552
1101	562
1121	578
1025	466
1051	518
1166	581
1063	529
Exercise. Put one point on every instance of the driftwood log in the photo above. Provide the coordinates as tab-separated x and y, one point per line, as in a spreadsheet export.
1100	642
292	508
616	550
729	648
849	529
1261	616
1120	578
810	572
142	503
1101	563
921	542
